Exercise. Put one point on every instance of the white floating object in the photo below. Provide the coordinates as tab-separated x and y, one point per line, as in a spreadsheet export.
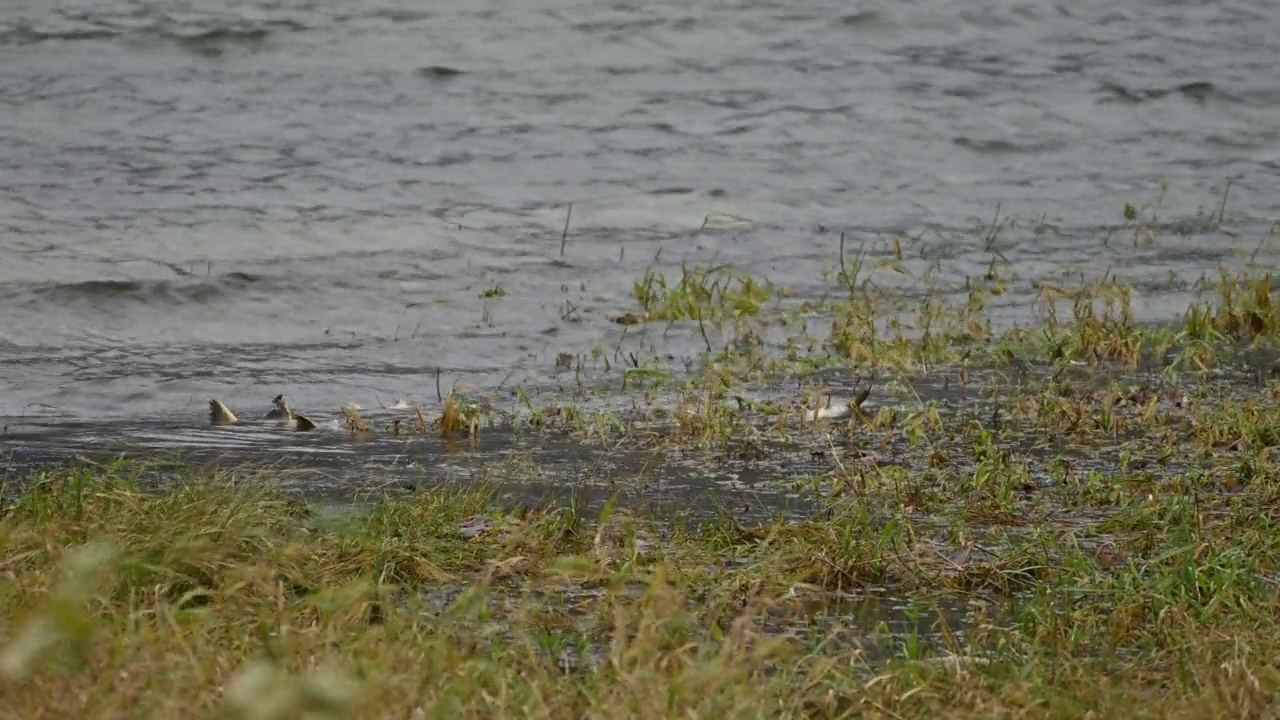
832	410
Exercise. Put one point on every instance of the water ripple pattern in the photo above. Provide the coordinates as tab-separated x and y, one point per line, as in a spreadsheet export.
239	197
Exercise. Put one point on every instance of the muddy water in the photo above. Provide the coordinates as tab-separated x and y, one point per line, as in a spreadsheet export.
238	198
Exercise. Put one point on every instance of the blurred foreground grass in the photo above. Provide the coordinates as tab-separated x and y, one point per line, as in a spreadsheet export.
220	597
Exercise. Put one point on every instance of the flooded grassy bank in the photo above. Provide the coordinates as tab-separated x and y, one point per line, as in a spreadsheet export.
1076	518
223	597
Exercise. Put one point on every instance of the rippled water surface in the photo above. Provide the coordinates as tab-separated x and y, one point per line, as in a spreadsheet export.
234	199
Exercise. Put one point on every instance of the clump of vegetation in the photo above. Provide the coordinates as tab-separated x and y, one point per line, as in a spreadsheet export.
354	421
494	291
459	416
710	294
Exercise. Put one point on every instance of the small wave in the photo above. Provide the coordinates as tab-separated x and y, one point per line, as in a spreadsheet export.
1199	92
99	292
999	147
213	42
26	35
397	15
223	35
621	70
862	19
199	38
438	72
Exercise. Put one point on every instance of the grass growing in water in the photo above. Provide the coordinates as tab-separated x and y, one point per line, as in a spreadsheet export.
1090	530
715	293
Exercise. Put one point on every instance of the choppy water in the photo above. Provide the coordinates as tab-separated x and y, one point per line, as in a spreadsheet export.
238	198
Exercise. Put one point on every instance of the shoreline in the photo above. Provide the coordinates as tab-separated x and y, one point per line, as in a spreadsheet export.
1074	519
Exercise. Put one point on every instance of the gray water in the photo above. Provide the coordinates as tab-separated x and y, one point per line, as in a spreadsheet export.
237	198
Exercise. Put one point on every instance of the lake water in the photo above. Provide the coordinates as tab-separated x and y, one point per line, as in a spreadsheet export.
237	198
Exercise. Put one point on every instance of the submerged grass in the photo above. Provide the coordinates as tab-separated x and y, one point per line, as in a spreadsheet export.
1077	518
